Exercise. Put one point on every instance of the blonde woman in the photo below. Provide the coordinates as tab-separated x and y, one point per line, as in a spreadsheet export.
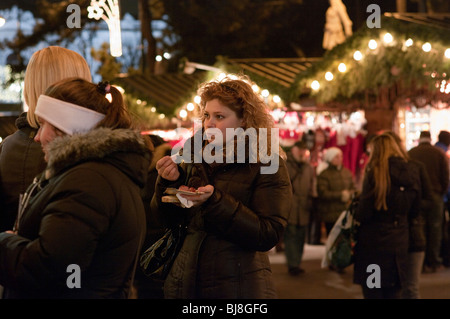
242	210
390	197
21	158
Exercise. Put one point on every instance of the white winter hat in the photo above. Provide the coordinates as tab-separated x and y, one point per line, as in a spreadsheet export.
331	153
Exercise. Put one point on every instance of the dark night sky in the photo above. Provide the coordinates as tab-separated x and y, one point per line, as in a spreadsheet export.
311	41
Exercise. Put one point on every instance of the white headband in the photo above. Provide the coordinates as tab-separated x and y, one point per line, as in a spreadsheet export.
68	117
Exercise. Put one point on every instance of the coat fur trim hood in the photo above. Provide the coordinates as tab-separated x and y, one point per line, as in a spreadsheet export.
98	144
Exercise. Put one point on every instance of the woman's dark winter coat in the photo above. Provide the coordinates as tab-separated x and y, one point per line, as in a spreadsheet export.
383	234
225	251
89	212
21	159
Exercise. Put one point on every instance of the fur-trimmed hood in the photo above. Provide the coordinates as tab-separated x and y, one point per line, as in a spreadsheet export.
124	148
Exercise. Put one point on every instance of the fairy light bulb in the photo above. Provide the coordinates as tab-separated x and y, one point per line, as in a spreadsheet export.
315	85
357	56
426	47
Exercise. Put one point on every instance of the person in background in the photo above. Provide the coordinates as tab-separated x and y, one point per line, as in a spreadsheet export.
84	214
21	158
335	187
301	174
242	211
443	143
417	237
390	196
437	166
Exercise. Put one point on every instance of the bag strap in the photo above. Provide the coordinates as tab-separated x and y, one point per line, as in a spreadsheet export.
133	273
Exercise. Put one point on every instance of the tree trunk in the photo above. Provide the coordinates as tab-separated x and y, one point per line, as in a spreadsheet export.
401	6
148	41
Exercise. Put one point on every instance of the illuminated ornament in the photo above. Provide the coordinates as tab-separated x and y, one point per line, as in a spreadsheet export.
447	53
338	25
110	13
373	44
329	76
183	114
315	85
265	93
426	47
357	56
342	67
409	42
190	106
388	38
276	99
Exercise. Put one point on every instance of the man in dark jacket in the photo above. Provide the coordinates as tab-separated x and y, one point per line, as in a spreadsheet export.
437	166
301	174
21	159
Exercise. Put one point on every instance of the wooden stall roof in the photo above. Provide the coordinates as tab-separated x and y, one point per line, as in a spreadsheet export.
282	71
165	91
439	20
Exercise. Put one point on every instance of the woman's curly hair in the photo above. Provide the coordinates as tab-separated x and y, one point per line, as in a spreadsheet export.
236	92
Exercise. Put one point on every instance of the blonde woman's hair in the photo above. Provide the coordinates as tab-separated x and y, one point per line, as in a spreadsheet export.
46	67
235	92
384	146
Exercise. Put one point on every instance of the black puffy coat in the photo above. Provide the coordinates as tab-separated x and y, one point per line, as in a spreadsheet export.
225	251
383	237
89	212
21	159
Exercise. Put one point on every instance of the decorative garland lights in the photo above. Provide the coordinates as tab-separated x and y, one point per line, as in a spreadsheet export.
395	55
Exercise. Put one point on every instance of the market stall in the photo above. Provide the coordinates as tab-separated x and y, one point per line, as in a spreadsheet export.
397	74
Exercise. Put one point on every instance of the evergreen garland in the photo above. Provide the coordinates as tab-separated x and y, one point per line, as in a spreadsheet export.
386	66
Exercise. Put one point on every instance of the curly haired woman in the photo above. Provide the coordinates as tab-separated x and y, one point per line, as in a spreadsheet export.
242	211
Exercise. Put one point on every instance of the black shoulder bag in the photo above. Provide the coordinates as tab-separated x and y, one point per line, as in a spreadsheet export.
158	259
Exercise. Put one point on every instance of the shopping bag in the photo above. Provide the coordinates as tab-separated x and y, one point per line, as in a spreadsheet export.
342	240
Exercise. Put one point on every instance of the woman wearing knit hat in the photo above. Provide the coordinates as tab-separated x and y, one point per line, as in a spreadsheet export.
335	186
82	220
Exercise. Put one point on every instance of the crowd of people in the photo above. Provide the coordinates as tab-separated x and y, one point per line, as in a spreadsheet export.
81	190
